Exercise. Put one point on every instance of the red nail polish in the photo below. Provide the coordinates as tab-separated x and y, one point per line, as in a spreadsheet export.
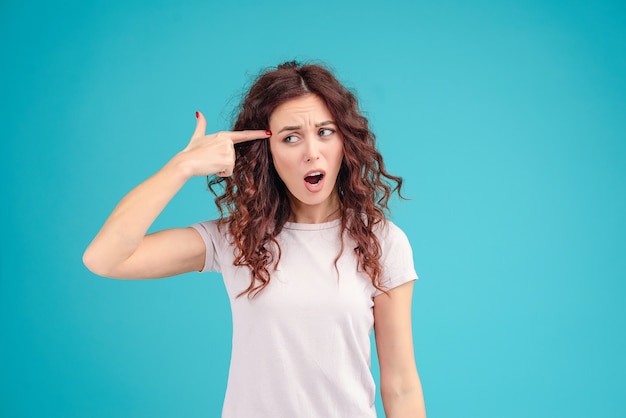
197	115
268	133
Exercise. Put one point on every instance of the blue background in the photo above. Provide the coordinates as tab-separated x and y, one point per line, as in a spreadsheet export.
506	120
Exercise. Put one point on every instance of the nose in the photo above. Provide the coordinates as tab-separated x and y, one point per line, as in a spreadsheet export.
312	151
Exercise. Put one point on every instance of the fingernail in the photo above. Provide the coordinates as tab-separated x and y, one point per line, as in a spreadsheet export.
197	115
268	133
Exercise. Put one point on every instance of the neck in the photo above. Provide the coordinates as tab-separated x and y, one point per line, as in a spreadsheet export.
306	214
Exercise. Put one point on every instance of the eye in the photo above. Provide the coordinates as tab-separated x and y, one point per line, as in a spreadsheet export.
290	139
326	132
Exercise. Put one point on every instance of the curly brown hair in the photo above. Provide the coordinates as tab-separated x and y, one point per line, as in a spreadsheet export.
254	201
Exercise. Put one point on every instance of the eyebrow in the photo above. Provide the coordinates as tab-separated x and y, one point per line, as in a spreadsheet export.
296	127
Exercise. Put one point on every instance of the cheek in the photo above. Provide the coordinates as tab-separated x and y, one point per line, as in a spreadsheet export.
338	155
275	157
282	165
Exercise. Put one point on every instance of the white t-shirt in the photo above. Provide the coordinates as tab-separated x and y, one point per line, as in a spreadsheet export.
301	347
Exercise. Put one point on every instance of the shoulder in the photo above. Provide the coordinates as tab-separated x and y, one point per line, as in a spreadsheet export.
218	251
212	230
209	226
388	233
394	243
396	256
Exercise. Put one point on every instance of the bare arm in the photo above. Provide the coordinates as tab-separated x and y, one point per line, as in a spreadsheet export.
123	250
400	386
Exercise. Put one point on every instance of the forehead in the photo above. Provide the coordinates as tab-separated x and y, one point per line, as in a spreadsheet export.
310	106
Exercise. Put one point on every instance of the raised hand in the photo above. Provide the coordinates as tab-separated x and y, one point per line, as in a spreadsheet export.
123	250
214	153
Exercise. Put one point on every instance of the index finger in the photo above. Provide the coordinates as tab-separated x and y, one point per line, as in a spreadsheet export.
244	136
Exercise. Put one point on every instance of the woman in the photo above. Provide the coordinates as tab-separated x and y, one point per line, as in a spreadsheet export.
309	261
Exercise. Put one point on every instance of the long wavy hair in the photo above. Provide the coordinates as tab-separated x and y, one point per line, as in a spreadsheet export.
254	203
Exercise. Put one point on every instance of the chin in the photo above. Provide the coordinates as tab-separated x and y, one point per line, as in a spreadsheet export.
312	199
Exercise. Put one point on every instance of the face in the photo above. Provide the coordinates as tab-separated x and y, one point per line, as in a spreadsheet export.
307	150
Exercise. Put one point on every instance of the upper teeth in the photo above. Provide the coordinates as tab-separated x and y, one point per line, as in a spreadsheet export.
317	173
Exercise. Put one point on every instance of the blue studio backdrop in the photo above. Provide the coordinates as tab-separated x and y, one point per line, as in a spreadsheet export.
505	119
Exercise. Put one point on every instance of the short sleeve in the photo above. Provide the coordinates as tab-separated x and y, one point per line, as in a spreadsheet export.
213	241
397	257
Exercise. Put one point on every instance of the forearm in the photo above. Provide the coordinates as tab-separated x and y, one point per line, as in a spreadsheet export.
129	222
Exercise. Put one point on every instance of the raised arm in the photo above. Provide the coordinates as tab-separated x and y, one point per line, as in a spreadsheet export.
123	250
400	386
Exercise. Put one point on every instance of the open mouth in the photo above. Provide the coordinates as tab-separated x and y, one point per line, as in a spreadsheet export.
314	178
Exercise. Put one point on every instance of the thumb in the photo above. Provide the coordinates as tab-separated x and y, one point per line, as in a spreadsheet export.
200	125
